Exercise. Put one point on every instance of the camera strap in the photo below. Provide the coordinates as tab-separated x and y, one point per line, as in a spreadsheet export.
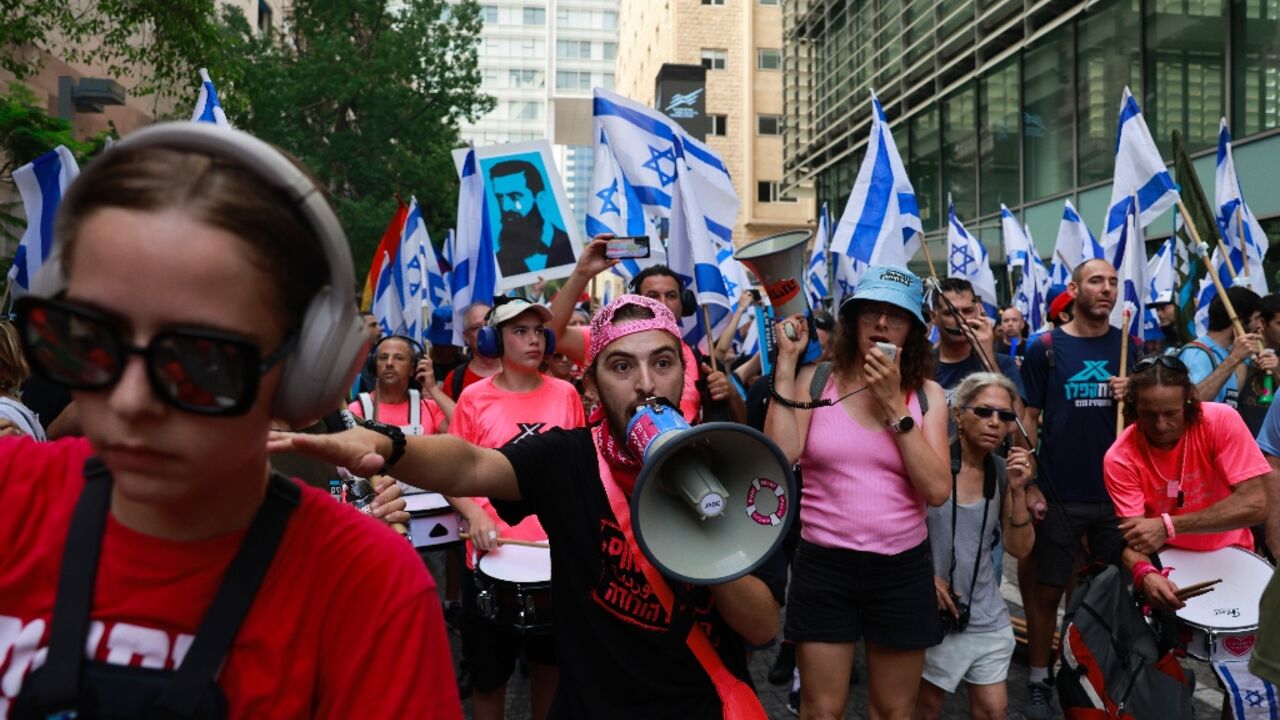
982	528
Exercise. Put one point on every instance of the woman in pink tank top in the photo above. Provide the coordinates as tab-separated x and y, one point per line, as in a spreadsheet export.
872	458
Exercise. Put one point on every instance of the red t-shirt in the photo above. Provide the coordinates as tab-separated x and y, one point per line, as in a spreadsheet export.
430	414
469	378
298	653
690	399
490	417
1219	451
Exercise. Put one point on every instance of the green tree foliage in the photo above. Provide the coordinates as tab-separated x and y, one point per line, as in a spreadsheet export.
162	41
368	94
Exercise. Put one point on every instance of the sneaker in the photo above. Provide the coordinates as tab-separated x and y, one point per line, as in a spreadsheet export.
793	702
1039	701
783	664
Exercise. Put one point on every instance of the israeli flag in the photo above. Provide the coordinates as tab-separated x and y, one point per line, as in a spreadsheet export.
652	151
967	259
1243	235
474	264
1075	244
844	278
208	109
439	330
881	222
1140	176
387	307
1161	282
414	245
1207	291
693	256
41	184
816	278
1020	253
614	208
1131	253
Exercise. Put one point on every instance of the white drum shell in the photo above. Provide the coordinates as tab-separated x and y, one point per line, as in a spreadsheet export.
433	524
1219	625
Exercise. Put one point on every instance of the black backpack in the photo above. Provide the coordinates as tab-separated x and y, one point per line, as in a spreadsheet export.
1112	665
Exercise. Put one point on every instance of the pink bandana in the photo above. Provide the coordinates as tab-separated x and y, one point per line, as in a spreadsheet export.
604	331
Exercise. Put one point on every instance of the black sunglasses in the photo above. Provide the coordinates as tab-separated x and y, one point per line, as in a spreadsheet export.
1169	361
198	370
985	412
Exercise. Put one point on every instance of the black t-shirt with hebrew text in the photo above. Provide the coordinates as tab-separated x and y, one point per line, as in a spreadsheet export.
620	654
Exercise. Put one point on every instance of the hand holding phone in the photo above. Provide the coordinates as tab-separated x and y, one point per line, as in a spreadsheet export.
889	349
633	247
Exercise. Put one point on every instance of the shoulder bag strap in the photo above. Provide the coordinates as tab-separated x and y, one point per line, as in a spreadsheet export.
222	622
819	381
459	377
415	408
367	407
74	601
737	698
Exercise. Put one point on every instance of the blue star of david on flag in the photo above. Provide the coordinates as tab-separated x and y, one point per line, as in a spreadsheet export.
607	205
961	258
654	163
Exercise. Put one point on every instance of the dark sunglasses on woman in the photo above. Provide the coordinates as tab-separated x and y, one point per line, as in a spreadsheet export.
985	412
198	370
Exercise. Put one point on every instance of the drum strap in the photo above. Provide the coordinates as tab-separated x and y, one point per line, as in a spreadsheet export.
182	695
736	697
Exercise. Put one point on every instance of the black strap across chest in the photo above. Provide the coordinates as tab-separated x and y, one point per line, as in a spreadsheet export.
60	681
987	493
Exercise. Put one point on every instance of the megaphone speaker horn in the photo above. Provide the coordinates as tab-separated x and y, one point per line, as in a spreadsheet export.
779	262
712	502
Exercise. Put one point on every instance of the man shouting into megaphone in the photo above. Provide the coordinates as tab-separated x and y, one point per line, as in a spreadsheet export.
617	617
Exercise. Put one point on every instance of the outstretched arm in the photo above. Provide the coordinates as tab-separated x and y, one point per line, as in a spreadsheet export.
591	262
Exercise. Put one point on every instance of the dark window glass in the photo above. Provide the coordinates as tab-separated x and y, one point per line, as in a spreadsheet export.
1256	66
1186	61
1109	59
998	138
925	165
1047	103
960	152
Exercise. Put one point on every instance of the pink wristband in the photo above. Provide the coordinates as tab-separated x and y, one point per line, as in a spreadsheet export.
1140	570
1169	532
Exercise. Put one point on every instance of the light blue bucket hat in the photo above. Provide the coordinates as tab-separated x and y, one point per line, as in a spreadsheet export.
894	285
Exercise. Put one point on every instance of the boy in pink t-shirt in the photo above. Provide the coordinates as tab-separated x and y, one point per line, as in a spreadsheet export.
1186	474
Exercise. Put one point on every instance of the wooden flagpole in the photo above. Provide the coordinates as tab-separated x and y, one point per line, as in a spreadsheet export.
924	245
1124	369
1202	249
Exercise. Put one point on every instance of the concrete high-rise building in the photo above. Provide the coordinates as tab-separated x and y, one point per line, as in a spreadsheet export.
1016	102
739	42
539	58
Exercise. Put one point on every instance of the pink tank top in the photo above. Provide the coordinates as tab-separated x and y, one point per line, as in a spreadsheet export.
856	491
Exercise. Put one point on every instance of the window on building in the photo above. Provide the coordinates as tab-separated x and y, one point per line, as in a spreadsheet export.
1107	59
530	47
489	13
712	2
573	49
768	191
769	124
960	151
924	164
571	80
718	125
610	50
999	128
490	78
525	110
1186	71
1255	67
535	16
769	59
569	18
1048	103
265	17
609	19
526	78
606	81
713	59
768	2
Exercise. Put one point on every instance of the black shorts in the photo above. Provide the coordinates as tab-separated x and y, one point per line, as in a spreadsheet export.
490	649
1058	544
839	595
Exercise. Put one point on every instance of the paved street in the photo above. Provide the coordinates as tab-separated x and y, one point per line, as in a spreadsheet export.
1208	698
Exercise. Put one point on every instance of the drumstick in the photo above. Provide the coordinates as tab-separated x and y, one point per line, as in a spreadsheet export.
1187	596
1193	590
513	541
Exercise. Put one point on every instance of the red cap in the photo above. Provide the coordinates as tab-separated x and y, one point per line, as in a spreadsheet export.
1060	303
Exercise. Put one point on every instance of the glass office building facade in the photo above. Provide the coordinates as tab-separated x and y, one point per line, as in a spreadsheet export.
1016	101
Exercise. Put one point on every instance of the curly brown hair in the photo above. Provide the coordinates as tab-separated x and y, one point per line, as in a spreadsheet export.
917	353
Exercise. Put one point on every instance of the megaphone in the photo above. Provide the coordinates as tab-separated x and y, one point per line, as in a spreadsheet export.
779	262
712	502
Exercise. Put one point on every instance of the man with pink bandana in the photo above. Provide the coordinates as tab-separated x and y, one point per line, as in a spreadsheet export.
620	649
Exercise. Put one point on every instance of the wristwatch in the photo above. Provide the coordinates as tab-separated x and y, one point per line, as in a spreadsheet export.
397	440
902	425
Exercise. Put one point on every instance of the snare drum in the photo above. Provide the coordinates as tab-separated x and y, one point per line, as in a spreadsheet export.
1219	625
515	587
433	525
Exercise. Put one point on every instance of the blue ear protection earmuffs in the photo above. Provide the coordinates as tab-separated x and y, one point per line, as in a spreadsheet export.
331	337
489	339
688	301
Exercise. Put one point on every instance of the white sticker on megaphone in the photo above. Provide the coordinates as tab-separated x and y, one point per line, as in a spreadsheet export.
711	505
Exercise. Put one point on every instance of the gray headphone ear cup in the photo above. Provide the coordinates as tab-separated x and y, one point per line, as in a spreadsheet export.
330	347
